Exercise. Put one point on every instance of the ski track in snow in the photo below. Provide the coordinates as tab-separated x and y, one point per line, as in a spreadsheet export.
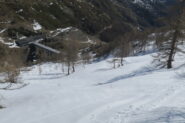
134	93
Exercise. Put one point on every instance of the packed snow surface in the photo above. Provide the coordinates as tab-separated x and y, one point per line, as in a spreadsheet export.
135	93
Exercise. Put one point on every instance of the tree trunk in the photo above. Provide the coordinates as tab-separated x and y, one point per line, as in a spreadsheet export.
114	62
73	67
172	50
121	61
68	71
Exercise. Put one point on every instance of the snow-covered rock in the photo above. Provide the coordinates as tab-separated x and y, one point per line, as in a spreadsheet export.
36	26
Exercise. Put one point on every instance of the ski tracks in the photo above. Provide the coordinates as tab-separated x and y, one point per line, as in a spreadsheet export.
122	111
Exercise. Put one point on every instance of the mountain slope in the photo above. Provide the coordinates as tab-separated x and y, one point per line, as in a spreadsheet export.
105	18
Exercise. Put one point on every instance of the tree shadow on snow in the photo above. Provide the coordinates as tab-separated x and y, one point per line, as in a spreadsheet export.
51	76
162	115
104	69
141	72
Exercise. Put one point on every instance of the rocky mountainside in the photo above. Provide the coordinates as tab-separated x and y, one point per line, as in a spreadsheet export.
104	18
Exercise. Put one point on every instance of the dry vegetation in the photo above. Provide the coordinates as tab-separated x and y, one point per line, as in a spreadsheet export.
11	60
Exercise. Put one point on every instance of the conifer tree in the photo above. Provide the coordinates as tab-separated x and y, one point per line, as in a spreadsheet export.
168	38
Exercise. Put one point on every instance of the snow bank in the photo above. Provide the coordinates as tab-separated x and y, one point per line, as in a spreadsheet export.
36	26
60	30
9	44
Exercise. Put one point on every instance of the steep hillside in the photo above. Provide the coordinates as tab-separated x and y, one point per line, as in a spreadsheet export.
105	18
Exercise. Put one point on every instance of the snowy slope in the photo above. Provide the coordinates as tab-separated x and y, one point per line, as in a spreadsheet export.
135	93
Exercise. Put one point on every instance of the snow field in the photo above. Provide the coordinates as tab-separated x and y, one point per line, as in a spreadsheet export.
135	93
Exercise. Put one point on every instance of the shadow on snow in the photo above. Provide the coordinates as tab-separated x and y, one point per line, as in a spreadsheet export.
141	72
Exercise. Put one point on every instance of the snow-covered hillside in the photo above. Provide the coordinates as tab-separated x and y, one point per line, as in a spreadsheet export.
134	93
